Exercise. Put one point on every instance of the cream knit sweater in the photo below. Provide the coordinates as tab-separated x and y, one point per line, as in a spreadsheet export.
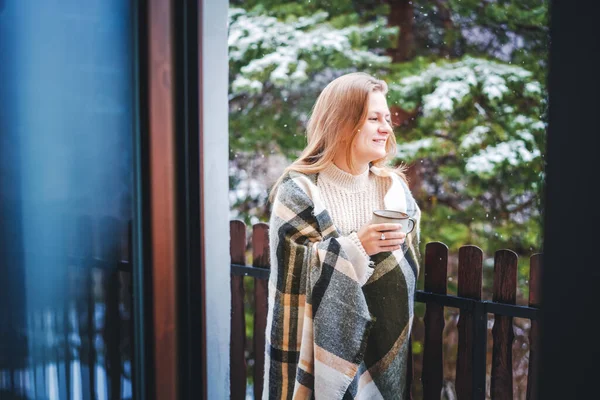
351	199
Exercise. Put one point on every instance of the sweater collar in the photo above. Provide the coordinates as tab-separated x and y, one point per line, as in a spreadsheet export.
395	198
343	179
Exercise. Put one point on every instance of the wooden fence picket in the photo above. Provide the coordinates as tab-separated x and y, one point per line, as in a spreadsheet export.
237	246
470	270
436	275
260	259
505	291
535	266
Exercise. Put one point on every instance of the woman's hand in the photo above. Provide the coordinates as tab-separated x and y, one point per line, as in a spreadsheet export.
370	236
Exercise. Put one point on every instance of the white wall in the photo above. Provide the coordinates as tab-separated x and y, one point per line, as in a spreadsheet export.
216	201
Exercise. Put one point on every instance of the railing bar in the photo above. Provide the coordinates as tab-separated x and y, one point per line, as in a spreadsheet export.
510	310
426	297
260	273
490	307
445	300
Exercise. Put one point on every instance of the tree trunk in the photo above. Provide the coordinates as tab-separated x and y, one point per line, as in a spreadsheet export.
445	18
402	16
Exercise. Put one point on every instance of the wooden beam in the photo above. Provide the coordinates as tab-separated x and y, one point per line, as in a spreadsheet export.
161	132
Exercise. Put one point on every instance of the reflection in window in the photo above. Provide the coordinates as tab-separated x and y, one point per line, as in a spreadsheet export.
65	199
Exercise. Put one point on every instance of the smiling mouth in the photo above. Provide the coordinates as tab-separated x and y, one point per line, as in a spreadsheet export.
380	141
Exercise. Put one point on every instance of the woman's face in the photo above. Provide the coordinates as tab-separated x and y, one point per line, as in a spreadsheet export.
371	139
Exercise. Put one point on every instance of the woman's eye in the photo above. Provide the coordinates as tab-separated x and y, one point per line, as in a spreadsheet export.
373	119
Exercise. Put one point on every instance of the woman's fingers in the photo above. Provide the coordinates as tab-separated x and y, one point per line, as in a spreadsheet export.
391	235
386	227
391	248
377	238
391	243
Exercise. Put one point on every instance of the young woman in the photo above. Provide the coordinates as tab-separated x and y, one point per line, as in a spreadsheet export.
341	289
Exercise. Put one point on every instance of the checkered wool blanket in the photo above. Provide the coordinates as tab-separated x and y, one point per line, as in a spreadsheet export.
337	326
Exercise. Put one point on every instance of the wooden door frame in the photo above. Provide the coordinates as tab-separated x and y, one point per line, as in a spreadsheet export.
170	335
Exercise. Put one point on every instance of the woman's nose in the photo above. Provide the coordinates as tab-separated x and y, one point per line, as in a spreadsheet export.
385	127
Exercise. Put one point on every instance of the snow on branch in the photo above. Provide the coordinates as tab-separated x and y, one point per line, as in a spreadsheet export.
263	49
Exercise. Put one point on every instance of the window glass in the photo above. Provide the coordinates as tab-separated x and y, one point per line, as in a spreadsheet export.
66	121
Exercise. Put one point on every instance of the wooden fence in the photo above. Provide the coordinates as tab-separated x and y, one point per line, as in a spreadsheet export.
472	327
77	346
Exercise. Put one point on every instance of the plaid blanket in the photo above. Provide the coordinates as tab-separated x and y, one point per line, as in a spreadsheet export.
338	325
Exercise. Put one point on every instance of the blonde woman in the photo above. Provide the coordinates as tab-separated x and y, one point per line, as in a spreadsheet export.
341	289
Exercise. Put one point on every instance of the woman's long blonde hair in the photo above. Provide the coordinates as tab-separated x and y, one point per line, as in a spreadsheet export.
337	116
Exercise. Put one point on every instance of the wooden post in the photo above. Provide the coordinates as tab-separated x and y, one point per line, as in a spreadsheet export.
535	266
505	291
162	376
260	259
237	248
468	363
436	275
